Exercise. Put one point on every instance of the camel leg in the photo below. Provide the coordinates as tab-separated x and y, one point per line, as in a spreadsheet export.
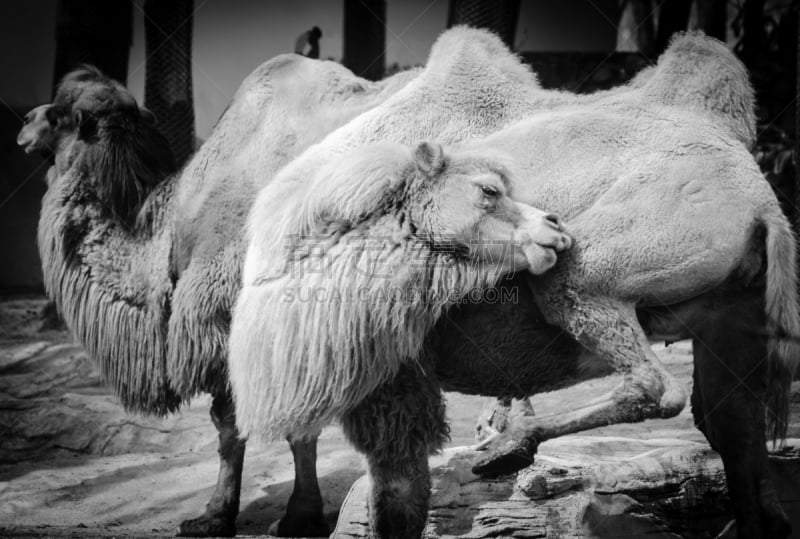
397	427
304	516
610	329
728	406
219	519
494	419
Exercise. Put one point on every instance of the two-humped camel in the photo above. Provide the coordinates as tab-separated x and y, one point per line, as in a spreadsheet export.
145	266
640	174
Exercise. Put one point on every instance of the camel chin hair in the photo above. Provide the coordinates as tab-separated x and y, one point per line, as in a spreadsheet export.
351	300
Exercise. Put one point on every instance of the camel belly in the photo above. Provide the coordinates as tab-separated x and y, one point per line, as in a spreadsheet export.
502	346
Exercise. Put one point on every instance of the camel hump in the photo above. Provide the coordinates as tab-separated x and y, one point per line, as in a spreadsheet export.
700	73
465	52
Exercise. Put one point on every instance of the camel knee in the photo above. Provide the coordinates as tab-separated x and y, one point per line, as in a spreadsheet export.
223	416
397	427
399	497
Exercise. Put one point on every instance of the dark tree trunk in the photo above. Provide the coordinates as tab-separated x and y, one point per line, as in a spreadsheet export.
672	17
500	16
712	18
796	216
365	37
96	32
168	72
637	26
645	26
754	36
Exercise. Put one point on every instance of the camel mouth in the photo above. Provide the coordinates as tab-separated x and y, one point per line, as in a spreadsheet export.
27	146
540	258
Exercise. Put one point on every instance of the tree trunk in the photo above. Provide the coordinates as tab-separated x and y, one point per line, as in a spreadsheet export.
712	18
636	30
168	73
500	16
672	17
753	34
796	216
365	37
96	32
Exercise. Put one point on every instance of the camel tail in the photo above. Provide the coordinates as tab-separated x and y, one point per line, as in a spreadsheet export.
783	321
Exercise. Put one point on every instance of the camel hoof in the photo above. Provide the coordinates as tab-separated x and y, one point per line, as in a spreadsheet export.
510	457
498	416
308	526
483	444
208	526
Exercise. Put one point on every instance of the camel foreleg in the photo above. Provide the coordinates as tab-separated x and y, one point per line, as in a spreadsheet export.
219	519
397	427
610	330
304	515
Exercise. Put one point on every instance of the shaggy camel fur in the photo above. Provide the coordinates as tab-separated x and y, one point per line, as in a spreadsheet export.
145	268
641	146
461	236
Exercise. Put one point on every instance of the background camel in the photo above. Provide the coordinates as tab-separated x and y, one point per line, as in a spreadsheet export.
125	247
594	298
36	135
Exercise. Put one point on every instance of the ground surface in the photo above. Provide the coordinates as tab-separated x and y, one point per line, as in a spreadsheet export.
73	463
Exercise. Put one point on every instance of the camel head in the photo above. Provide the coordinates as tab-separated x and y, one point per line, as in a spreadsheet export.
463	203
37	135
104	136
446	210
348	272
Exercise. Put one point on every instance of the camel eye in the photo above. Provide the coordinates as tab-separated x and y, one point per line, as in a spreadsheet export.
489	191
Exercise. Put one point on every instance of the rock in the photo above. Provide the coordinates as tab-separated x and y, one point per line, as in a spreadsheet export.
579	486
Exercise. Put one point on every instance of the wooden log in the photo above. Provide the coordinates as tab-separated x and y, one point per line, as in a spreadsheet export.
579	486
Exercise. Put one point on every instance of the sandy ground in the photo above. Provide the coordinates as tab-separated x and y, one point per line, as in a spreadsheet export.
73	463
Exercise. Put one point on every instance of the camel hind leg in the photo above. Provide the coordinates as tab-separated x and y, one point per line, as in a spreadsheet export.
728	403
219	519
397	427
610	329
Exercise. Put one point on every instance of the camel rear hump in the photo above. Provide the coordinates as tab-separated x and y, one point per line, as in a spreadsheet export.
700	73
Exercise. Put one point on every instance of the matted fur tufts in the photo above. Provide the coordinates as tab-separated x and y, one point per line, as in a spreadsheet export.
105	252
783	321
350	300
114	304
130	158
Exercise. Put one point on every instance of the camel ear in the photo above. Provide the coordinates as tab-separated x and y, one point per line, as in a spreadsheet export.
52	115
430	158
84	122
148	116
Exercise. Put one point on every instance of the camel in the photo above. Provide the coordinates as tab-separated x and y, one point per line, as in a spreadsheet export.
211	198
144	265
607	164
36	135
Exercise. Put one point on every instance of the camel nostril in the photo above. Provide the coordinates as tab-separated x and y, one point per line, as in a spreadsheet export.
553	219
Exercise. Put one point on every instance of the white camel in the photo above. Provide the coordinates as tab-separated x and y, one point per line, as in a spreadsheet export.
636	171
